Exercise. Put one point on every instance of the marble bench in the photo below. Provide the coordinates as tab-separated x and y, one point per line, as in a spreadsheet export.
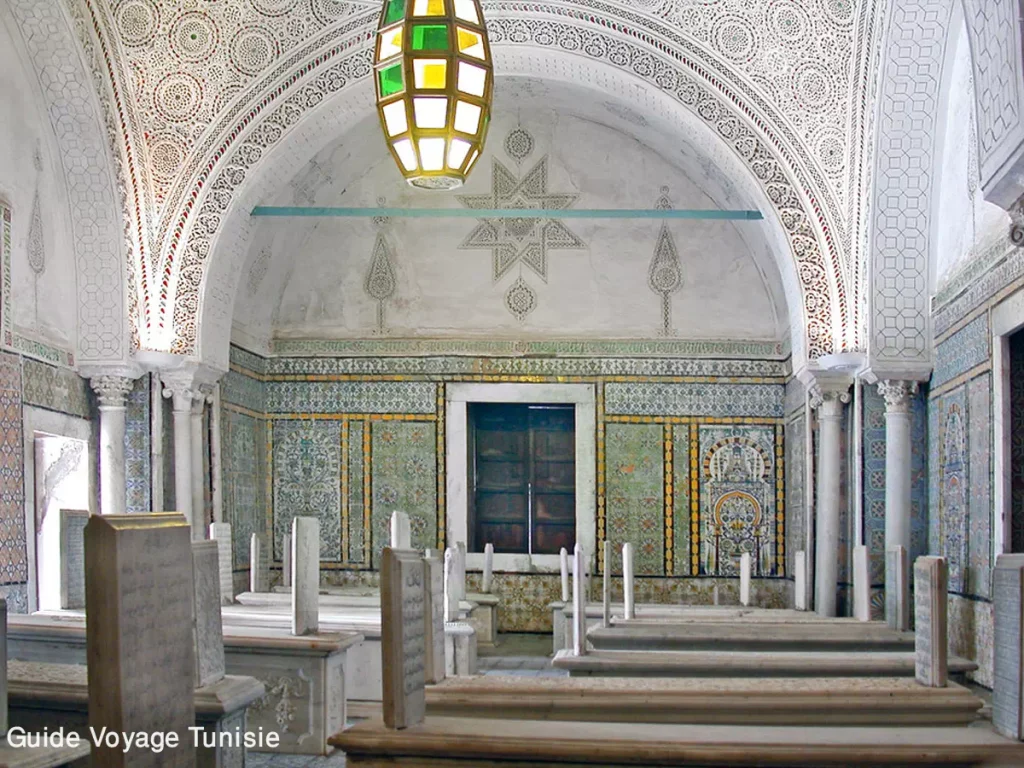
745	664
750	636
41	694
741	701
449	742
305	679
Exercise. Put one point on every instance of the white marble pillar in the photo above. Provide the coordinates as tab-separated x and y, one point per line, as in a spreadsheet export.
629	609
745	579
488	575
196	457
897	396
564	562
182	395
111	393
579	602
829	403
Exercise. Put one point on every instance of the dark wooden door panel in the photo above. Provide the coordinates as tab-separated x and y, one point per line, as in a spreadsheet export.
549	539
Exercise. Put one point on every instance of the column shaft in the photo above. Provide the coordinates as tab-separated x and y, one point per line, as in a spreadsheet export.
111	392
898	506
826	561
182	401
196	455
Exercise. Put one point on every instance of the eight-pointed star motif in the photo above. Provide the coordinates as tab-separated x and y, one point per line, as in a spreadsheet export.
526	240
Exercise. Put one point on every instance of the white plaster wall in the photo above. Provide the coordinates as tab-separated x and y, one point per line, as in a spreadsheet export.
965	221
730	288
43	304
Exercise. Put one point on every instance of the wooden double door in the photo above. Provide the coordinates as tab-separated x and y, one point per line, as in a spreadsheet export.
522	468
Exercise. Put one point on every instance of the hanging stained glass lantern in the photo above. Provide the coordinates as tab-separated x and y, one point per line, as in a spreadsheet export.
434	80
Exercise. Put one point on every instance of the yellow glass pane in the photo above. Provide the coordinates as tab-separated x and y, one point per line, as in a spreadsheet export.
472	79
430	112
395	118
430	73
457	153
405	152
432	154
467	117
471	43
428	8
466	10
390	43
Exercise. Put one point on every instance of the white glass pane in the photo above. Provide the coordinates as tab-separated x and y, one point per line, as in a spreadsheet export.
457	153
428	8
472	79
430	113
470	43
466	10
472	159
395	119
390	43
467	117
432	154
430	73
404	150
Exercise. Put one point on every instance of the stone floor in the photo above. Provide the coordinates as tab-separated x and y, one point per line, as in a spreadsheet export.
515	655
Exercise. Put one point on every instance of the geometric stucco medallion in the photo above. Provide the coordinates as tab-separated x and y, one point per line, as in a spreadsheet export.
515	242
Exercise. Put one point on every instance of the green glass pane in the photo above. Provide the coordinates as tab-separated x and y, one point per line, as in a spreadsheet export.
391	80
396	11
429	37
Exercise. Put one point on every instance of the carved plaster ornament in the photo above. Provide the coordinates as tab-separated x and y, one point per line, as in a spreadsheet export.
1017	223
897	394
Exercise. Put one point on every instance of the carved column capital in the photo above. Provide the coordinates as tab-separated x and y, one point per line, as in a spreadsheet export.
111	391
1016	212
897	394
828	399
180	392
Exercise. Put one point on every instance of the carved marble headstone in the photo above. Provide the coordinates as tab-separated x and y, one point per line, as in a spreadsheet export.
629	609
305	575
861	583
488	575
897	589
433	613
460	569
433	587
221	533
564	562
403	637
72	557
401	531
451	596
607	585
286	560
930	621
1008	690
800	580
745	578
259	564
579	602
207	626
139	647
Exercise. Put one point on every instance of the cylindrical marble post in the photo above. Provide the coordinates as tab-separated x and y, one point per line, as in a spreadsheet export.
112	393
826	566
629	609
196	458
897	396
181	400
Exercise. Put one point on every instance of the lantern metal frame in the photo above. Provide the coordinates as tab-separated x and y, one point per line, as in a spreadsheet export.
399	17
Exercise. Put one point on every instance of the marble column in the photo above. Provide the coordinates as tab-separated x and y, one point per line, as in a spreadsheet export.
112	393
828	401
182	395
897	395
196	456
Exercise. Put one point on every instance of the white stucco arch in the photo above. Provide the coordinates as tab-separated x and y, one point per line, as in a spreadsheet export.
332	117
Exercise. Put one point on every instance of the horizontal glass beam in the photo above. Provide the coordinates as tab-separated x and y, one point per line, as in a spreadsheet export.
503	213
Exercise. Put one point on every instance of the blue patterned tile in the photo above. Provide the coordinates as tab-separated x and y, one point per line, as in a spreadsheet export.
964	350
351	397
694	399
